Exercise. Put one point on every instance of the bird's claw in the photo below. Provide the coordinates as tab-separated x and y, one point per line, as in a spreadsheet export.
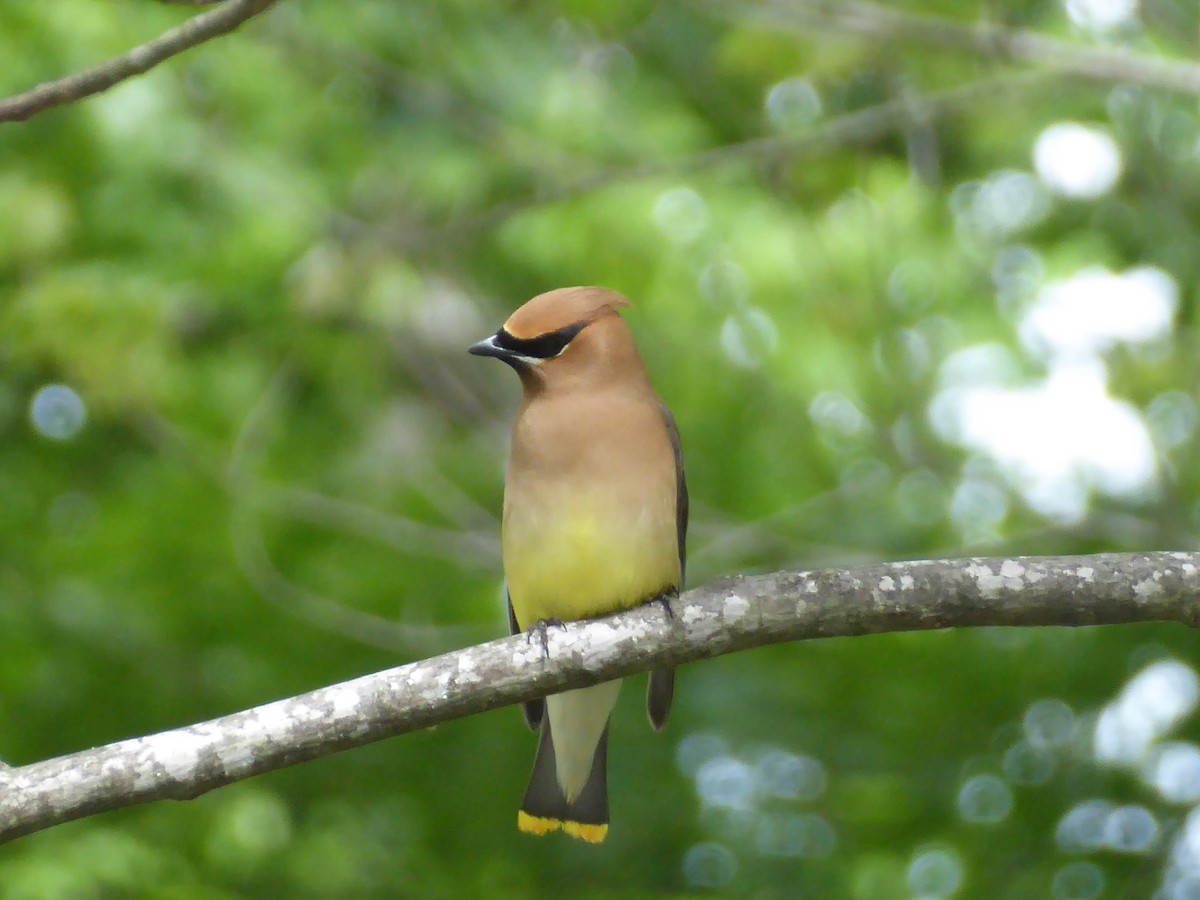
539	628
664	600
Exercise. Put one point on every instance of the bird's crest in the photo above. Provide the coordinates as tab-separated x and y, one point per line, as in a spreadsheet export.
559	309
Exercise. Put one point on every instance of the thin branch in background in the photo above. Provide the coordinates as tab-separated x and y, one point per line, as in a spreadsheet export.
722	544
454	392
332	616
1052	56
1106	65
247	495
404	534
467	548
852	129
730	614
194	31
457	505
167	439
249	444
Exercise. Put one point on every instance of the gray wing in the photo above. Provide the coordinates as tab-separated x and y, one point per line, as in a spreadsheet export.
661	689
532	710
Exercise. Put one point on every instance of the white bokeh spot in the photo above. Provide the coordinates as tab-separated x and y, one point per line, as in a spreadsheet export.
1059	439
1077	161
1149	707
1054	440
1102	15
1096	309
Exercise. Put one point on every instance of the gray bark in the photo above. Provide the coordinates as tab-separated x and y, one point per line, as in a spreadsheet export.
729	614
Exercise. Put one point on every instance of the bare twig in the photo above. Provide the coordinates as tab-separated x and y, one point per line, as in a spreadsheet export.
1050	56
851	129
247	493
250	495
468	548
70	88
395	635
729	614
1107	65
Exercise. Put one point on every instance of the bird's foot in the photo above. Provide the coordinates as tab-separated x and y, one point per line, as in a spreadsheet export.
539	628
664	600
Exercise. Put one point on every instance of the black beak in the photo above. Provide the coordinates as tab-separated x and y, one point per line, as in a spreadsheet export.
491	347
488	347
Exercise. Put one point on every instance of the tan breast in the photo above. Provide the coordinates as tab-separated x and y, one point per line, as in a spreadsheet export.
589	507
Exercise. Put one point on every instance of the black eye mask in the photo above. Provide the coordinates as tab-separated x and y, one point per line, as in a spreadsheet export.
544	346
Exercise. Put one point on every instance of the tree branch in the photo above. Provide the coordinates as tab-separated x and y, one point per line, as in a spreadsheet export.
851	129
729	614
875	21
70	88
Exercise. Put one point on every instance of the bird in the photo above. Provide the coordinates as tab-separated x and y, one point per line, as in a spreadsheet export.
595	521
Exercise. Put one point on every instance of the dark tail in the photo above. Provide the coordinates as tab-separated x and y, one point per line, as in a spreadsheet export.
659	693
545	807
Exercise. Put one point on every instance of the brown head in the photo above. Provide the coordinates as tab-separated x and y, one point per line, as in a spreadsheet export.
570	337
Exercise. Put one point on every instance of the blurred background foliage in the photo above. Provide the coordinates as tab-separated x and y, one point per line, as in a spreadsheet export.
243	452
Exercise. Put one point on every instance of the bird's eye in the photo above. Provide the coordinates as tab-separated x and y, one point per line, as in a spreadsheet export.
544	346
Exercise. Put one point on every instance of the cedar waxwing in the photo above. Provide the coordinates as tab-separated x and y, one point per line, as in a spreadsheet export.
595	517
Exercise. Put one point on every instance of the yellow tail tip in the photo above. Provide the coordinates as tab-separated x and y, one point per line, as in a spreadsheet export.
536	824
593	834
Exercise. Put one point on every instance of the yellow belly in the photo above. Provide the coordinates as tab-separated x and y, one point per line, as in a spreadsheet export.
584	562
